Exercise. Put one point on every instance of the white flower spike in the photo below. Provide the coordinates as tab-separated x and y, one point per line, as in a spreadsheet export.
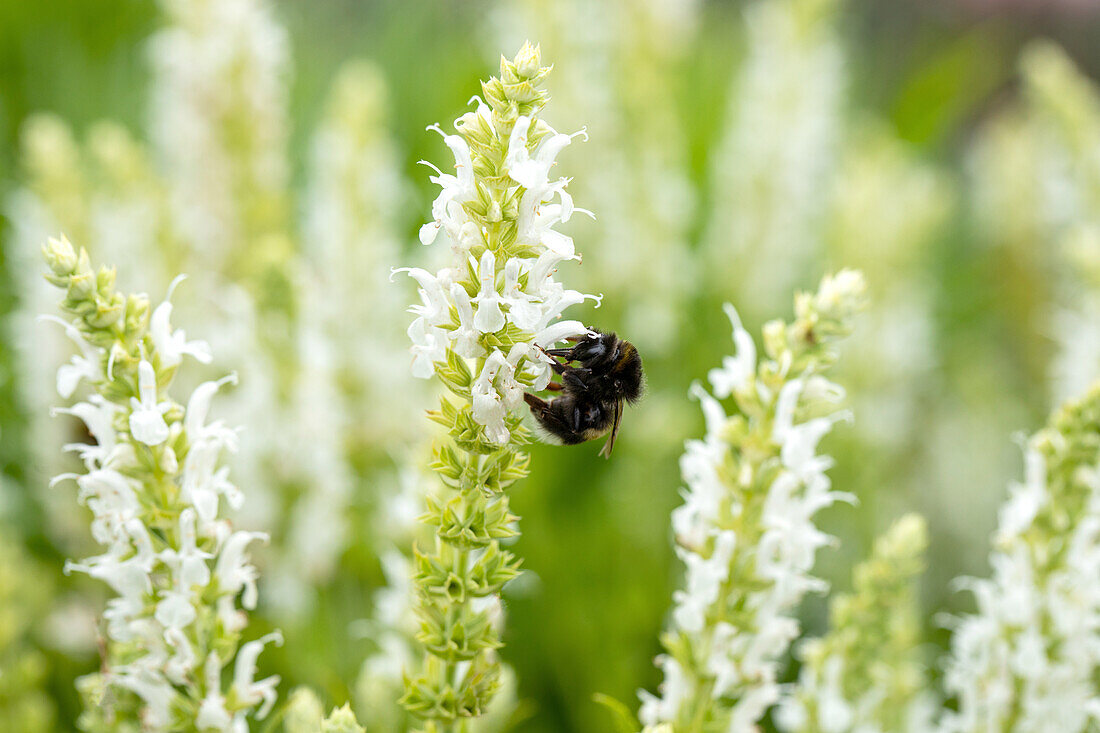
745	531
178	589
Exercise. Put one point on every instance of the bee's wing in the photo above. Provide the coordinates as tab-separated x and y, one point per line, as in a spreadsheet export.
610	444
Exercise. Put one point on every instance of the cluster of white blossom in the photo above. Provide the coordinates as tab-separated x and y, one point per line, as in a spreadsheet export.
349	244
100	190
1066	106
219	120
1027	658
480	328
212	192
745	531
158	494
887	208
1035	173
348	239
301	435
615	57
774	162
517	296
865	675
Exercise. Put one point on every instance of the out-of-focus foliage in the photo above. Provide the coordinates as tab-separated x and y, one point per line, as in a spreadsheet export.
24	704
867	671
736	151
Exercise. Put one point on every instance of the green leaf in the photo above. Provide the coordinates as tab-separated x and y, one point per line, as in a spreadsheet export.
621	716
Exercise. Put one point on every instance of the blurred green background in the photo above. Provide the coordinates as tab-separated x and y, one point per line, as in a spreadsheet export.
928	77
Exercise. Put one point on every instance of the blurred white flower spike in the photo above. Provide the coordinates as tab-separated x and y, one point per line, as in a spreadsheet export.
1027	658
866	674
745	531
176	565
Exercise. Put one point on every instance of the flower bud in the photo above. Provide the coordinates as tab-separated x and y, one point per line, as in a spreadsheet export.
341	720
528	61
304	713
60	256
81	286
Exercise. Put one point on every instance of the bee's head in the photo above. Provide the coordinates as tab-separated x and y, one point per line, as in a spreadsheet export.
595	347
626	374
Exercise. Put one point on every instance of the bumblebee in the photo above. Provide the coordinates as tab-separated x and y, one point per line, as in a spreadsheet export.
592	394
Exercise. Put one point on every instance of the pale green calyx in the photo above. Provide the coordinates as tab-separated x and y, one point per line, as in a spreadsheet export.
341	720
303	713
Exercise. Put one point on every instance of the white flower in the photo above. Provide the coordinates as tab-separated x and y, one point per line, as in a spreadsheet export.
201	480
704	579
559	331
197	409
489	317
147	423
233	571
536	221
799	442
1026	498
465	337
429	340
429	347
128	563
85	366
524	310
714	415
694	519
153	689
248	691
212	712
456	189
435	308
173	345
176	608
488	408
180	664
556	300
736	371
675	689
112	498
98	416
532	173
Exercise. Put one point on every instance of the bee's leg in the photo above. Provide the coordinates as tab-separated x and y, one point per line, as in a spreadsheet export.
558	367
538	405
553	387
570	354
